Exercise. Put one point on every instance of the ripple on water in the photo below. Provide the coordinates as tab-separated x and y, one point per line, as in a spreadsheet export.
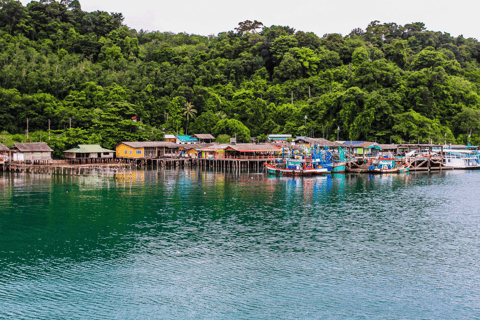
187	244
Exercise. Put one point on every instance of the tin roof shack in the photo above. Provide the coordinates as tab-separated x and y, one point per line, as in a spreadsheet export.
182	139
4	154
279	137
147	150
362	149
391	149
204	138
35	152
88	153
214	151
193	150
170	138
252	151
316	141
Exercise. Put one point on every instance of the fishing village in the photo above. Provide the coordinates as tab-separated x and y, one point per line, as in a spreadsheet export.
282	155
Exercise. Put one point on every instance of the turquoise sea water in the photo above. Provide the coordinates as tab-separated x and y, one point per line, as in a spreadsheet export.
196	245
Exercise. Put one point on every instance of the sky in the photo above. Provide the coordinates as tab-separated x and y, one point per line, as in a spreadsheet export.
206	17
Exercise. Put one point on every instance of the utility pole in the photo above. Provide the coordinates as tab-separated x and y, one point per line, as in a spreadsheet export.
70	121
309	95
27	129
305	124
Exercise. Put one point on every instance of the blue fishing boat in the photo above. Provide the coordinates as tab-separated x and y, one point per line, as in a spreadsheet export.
339	166
386	165
295	167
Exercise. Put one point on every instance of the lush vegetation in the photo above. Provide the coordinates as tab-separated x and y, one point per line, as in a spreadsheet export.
90	75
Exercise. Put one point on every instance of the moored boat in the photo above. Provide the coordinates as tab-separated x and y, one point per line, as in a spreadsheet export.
386	165
295	167
461	159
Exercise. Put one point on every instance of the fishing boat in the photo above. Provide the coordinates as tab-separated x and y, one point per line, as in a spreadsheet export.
386	165
295	167
339	166
461	159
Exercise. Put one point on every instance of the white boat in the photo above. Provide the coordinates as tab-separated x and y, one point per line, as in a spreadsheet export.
461	159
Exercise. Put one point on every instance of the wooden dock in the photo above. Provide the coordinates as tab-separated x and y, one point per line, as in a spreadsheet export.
65	167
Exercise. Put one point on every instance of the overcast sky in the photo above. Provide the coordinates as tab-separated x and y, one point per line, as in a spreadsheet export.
207	17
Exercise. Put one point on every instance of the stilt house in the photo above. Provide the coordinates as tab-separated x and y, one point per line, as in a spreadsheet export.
31	152
89	153
146	149
4	154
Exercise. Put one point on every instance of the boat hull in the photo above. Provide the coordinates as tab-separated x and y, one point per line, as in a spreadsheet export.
339	167
381	171
290	172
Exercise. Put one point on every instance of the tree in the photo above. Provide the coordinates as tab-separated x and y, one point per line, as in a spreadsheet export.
248	26
223	138
232	128
189	112
204	123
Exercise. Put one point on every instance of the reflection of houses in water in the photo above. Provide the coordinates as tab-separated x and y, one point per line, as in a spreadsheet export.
131	176
94	181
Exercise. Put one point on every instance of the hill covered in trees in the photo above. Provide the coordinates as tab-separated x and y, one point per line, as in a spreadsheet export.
89	74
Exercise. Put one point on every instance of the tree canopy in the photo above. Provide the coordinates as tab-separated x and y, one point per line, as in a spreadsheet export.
94	79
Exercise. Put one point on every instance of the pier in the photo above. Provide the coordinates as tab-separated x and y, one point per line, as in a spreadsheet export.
116	165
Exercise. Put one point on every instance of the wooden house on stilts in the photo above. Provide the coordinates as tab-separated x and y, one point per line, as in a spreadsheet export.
89	153
34	152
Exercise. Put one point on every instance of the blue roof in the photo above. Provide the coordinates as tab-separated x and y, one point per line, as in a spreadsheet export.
187	138
353	143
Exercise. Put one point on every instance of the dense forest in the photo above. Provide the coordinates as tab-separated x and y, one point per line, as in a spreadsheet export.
86	75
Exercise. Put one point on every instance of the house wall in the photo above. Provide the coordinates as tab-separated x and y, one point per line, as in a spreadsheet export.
150	152
93	155
124	151
109	155
32	156
3	156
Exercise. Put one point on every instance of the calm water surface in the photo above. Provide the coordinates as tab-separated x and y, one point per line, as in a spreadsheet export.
192	245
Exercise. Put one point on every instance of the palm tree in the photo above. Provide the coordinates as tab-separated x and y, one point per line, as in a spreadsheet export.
190	113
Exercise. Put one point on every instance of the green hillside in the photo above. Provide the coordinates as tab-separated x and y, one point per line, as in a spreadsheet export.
89	71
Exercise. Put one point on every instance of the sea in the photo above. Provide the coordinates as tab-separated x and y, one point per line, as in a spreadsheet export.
192	244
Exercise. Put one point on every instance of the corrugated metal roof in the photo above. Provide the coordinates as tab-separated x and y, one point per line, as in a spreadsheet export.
319	141
353	143
250	147
204	136
279	136
195	146
32	147
3	148
150	144
89	148
388	146
186	138
213	147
